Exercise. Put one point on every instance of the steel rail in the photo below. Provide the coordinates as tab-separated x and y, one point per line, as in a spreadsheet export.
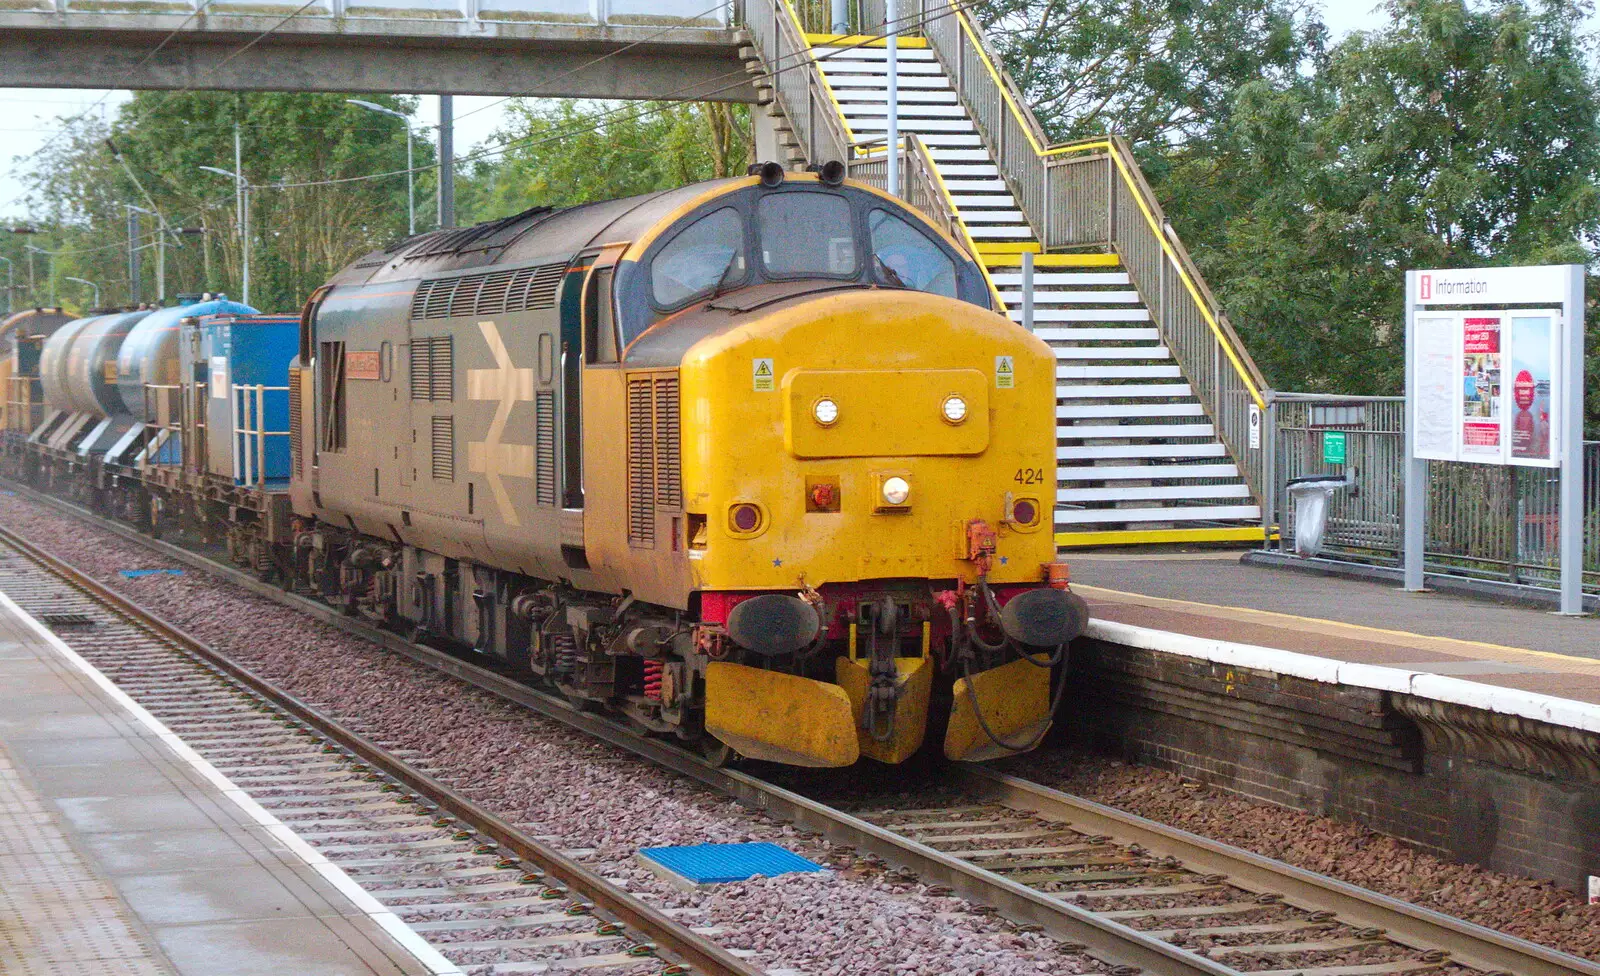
1411	925
675	939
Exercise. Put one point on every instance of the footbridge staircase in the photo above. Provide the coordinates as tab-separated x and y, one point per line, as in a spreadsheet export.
1156	396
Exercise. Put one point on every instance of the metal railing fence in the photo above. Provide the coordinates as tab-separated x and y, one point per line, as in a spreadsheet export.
1484	521
798	85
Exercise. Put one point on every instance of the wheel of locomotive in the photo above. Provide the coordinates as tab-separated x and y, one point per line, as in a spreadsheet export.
716	752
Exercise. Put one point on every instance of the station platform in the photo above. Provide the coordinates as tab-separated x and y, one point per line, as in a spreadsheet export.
123	853
1470	651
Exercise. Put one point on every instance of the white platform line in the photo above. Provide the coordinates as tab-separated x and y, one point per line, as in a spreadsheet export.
370	906
1438	687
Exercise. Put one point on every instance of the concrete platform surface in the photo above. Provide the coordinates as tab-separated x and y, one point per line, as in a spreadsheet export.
1516	654
123	853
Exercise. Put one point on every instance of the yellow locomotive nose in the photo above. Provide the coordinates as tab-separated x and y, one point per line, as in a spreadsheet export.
887	423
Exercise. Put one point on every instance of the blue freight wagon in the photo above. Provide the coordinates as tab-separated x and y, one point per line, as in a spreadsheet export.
240	365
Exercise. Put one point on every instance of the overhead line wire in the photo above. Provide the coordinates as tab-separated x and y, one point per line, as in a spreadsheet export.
799	58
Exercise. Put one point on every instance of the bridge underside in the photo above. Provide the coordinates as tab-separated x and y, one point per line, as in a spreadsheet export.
448	56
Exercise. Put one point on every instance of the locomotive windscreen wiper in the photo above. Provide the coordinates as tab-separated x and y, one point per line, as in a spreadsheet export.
892	276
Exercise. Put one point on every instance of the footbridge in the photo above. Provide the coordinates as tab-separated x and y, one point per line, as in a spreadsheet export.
1156	396
662	49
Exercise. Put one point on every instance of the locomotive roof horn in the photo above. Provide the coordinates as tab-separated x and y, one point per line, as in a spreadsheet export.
771	174
831	173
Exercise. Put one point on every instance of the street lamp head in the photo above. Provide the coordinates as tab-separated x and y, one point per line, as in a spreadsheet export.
375	107
221	172
24	230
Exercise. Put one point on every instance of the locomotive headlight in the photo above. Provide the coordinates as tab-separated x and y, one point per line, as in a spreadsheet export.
954	409
896	490
826	412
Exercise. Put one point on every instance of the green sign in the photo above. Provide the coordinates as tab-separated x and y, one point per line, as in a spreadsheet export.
1333	447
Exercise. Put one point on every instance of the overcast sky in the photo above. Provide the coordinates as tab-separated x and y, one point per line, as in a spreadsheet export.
30	116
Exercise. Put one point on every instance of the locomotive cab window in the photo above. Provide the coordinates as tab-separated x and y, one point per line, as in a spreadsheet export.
703	256
905	257
600	324
807	235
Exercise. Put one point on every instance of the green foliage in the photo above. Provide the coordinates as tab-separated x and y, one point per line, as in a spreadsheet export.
301	234
567	152
1154	71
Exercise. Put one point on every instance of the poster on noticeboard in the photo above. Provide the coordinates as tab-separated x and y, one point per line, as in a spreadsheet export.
1483	387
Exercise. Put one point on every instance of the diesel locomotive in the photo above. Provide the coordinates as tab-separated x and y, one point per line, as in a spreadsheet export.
752	462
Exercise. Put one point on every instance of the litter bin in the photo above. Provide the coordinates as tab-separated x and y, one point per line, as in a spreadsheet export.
1311	496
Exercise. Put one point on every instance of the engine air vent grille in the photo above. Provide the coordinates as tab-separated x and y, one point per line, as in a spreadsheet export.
544	446
641	464
433	368
442	369
295	434
444	448
669	469
655	475
489	293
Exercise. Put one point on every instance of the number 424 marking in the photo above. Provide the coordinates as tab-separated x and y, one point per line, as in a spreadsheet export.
1029	476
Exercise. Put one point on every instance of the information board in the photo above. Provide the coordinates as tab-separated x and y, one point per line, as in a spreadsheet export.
1483	386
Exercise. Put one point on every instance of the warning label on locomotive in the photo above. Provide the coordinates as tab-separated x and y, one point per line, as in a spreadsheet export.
761	371
1005	377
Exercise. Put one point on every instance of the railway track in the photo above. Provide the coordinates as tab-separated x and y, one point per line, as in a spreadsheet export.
1131	892
493	899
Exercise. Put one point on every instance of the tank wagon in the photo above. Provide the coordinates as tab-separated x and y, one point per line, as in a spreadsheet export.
752	462
22	338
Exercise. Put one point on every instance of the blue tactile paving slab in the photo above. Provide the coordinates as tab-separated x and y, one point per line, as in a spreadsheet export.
136	573
717	863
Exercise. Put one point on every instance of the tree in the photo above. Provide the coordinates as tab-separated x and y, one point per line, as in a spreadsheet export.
566	152
1456	136
1158	72
304	224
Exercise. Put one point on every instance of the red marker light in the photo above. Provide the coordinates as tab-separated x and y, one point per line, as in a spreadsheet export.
1024	512
745	518
822	496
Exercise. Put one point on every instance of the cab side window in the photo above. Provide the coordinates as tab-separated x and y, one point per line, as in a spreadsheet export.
600	338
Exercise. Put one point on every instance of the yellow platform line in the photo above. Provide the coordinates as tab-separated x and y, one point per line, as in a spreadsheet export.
1146	537
862	40
1053	260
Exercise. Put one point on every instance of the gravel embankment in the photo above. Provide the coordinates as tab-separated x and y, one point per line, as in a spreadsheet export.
1537	910
583	795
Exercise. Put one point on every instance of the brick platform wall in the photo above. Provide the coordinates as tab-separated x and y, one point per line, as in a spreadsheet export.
1510	794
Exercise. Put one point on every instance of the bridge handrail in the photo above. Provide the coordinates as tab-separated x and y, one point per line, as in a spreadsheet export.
798	85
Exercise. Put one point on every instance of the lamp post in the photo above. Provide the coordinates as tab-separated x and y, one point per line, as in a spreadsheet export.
241	191
86	281
11	285
411	173
49	273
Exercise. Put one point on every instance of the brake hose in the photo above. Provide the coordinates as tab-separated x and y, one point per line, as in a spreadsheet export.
970	631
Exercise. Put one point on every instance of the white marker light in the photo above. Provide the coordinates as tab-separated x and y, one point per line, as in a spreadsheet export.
826	412
896	490
954	409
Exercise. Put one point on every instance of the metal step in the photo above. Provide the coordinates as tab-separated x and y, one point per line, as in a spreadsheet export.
1153	493
1086	432
1146	472
1203	513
